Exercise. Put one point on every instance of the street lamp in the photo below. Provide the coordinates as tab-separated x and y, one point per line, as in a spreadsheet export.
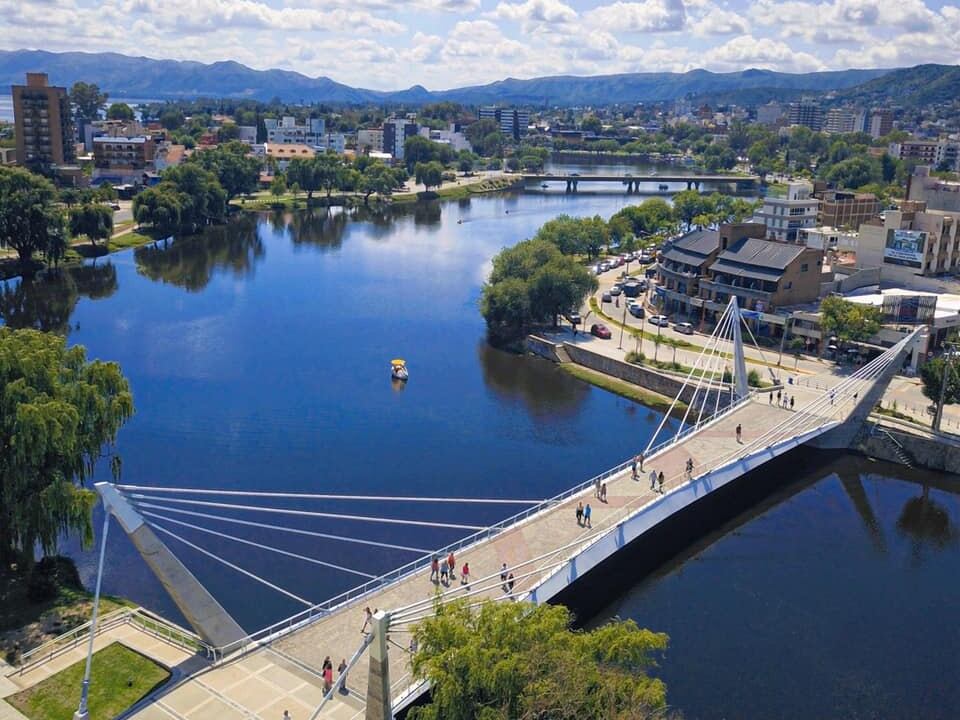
623	321
83	713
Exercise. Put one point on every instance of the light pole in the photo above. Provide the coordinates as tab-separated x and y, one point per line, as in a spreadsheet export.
783	339
623	321
656	343
83	712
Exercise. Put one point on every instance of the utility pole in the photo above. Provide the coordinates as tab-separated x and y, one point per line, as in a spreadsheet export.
783	338
83	712
947	357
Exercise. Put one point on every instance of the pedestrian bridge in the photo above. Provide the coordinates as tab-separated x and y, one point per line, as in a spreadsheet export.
728	430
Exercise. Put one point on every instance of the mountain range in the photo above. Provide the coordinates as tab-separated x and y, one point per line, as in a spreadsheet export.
123	76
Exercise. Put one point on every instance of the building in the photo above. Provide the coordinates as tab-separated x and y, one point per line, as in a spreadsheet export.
8	156
336	142
830	238
247	134
807	113
879	123
513	121
370	140
109	128
763	274
42	123
396	131
935	193
122	160
168	155
840	121
846	209
770	114
943	154
452	137
911	242
283	153
787	210
287	131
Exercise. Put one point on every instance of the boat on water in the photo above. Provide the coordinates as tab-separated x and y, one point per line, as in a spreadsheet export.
398	369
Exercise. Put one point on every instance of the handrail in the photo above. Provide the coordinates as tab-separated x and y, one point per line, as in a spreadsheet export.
282	627
65	642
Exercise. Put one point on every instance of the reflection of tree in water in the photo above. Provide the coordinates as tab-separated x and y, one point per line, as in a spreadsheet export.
47	301
427	213
925	521
543	389
192	262
322	228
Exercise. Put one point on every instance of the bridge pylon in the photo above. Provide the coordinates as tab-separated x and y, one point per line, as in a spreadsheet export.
741	386
379	694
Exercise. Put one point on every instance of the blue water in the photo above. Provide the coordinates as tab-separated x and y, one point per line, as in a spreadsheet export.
259	359
838	601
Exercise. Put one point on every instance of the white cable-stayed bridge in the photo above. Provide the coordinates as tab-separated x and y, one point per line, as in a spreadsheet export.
727	430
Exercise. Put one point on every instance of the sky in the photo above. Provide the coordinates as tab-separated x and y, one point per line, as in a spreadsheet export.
393	44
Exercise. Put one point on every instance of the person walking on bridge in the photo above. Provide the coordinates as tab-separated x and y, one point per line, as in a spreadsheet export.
586	515
503	576
452	565
660	481
434	570
596	487
465	575
603	492
579	520
633	468
740	431
342	677
653	479
689	468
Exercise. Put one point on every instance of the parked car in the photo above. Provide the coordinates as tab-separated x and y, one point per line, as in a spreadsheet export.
636	309
115	206
660	320
604	266
616	290
574	318
596	270
601	331
606	297
683	327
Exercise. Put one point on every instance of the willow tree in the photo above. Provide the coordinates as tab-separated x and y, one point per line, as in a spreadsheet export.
517	660
59	415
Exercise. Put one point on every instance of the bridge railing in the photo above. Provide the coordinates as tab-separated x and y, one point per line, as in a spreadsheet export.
353	595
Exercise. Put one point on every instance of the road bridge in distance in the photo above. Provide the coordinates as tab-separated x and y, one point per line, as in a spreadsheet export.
634	183
728	430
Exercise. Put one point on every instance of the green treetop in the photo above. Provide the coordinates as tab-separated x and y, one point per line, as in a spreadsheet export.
59	413
120	111
849	321
517	660
30	222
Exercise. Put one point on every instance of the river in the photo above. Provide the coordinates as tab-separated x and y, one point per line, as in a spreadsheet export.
259	358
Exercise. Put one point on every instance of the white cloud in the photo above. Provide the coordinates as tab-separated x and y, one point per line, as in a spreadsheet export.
538	15
718	21
749	52
639	17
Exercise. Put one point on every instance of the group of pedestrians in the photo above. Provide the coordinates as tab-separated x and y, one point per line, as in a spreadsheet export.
583	515
656	479
783	400
600	490
445	571
506	580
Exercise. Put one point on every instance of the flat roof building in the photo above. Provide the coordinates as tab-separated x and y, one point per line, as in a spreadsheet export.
788	209
846	209
42	123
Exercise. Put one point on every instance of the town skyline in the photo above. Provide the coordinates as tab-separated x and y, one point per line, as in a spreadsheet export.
442	44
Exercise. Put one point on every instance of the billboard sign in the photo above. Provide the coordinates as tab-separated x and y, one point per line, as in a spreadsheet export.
909	309
905	247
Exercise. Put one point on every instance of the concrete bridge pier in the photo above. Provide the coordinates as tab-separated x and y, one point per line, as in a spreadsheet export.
571	185
379	695
632	186
691	184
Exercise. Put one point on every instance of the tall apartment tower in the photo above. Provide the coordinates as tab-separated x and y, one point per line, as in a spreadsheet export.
880	123
807	113
43	123
513	121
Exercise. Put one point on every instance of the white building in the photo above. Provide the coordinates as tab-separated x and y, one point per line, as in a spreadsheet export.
286	130
370	140
452	136
247	134
829	238
910	245
840	121
513	122
788	210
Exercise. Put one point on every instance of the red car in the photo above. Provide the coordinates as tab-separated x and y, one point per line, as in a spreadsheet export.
600	330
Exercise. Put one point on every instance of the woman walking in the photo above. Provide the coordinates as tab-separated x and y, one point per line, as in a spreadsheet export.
327	674
580	514
660	481
465	575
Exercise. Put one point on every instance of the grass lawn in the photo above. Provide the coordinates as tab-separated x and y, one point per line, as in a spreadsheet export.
619	387
118	679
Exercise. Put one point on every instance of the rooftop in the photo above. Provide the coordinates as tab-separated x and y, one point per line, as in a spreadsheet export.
761	253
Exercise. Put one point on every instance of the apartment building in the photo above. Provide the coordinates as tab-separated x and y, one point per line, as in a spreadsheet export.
846	209
286	130
43	123
841	120
513	121
763	274
807	113
944	154
396	132
770	114
788	209
879	123
370	140
122	160
452	136
911	242
935	193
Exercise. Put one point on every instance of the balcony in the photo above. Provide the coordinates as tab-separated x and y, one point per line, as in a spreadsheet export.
740	292
676	274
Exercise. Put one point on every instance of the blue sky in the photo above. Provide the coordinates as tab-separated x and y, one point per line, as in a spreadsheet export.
392	44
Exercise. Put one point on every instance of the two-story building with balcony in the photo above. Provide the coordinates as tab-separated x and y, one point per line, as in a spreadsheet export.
764	275
122	160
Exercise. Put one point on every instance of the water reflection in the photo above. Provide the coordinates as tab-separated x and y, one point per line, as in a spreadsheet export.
47	301
191	263
322	228
544	391
926	523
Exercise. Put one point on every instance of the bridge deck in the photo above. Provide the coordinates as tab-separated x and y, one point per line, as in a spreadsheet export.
640	178
281	676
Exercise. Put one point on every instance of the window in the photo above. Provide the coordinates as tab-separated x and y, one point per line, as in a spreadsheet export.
804	267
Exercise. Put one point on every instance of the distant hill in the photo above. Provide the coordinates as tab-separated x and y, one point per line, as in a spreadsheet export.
140	77
910	87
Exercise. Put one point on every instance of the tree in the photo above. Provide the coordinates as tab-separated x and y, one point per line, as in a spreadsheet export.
591	123
29	220
849	321
159	207
687	204
329	167
518	660
87	100
172	118
430	174
303	174
485	137
237	171
376	178
60	412
203	200
855	172
120	111
279	186
93	220
931	374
